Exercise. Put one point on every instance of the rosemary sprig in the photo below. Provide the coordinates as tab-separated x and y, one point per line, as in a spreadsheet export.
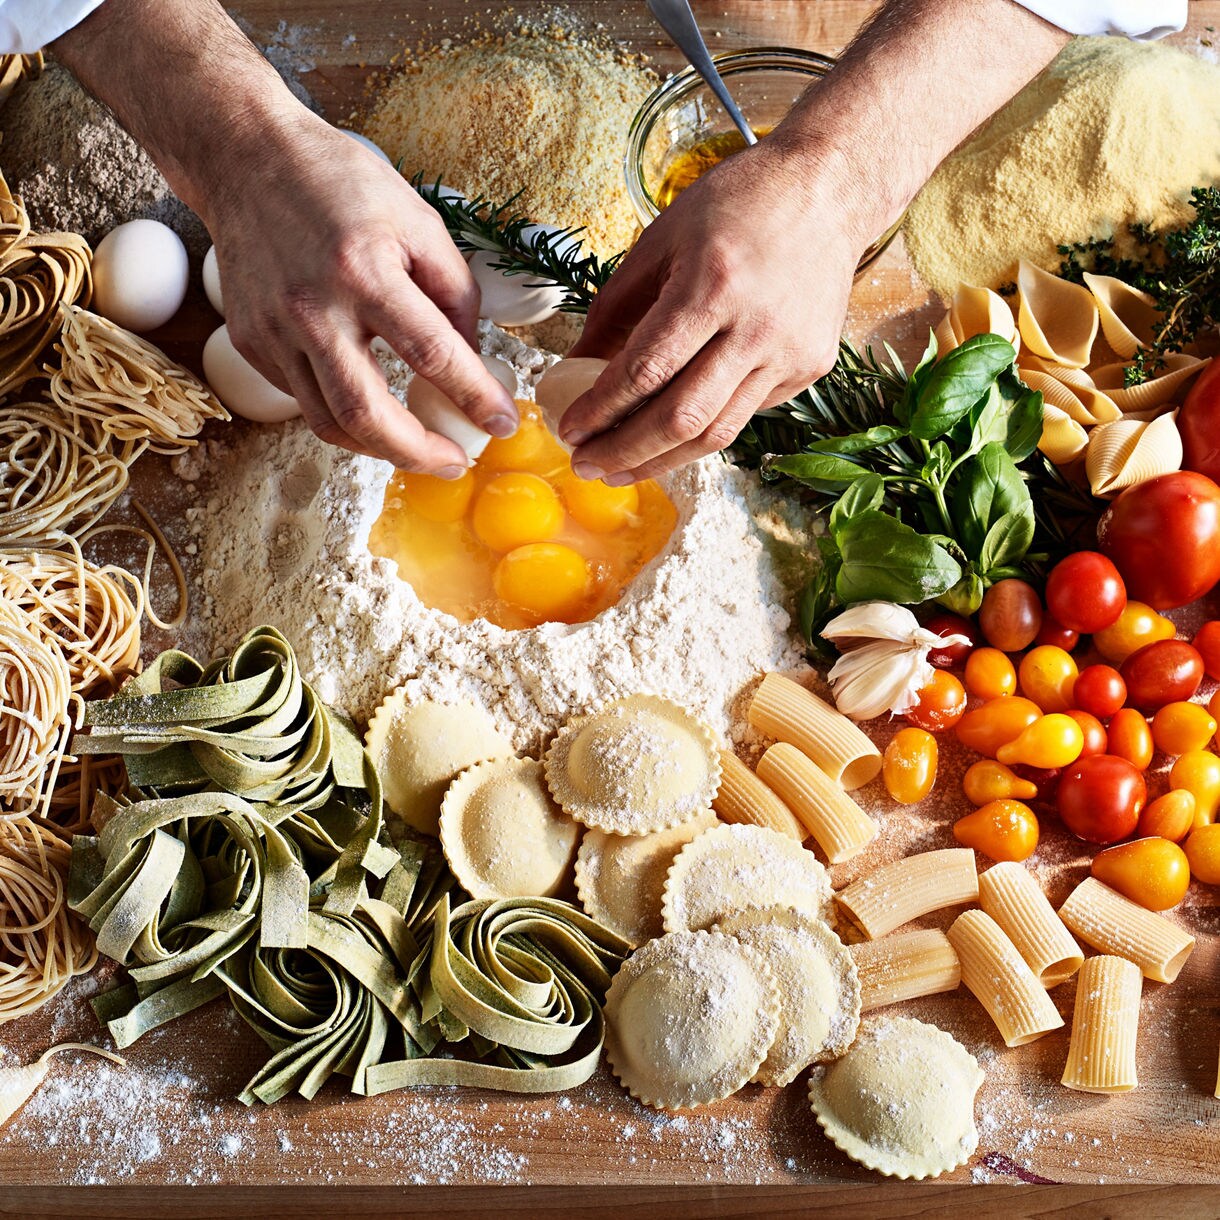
479	224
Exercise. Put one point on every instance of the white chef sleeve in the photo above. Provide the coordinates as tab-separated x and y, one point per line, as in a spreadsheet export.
1142	19
28	25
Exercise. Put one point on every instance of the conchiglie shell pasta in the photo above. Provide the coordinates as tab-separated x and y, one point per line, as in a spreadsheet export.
1148	396
975	311
1127	314
1070	390
1057	320
1132	451
1063	439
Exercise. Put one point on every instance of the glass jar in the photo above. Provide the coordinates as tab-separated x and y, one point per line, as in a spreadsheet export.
683	113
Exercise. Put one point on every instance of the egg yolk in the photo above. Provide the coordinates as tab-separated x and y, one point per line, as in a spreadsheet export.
514	509
545	579
521	451
600	508
434	499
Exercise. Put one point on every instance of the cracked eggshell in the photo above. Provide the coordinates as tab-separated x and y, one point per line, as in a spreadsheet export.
211	281
438	413
140	275
240	386
561	385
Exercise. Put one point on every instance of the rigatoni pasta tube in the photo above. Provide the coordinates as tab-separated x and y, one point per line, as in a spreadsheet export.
1103	918
905	966
1001	981
742	797
1101	1058
840	827
896	893
785	710
1010	895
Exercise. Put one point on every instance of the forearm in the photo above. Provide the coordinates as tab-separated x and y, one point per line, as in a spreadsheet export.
918	79
186	82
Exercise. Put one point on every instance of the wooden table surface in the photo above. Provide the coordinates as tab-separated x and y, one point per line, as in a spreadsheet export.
171	1118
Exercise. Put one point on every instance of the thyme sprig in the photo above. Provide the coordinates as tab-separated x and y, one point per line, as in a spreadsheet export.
519	245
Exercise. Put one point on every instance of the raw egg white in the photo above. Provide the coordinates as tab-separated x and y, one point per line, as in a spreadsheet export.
211	281
240	386
440	414
140	274
561	385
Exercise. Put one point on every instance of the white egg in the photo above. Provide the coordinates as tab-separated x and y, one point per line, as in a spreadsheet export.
367	144
240	386
140	274
211	281
440	414
517	300
561	385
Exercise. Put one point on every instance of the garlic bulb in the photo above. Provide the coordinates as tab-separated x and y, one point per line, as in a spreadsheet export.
885	662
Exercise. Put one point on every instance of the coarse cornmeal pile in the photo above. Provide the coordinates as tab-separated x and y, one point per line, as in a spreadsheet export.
545	113
1112	132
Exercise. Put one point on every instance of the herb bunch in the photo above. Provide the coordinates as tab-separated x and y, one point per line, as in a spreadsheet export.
1179	268
520	246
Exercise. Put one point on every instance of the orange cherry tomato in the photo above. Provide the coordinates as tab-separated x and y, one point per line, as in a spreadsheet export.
1169	817
1055	740
908	766
1137	625
1198	771
1153	872
1183	726
1213	706
1130	737
1047	675
996	723
941	704
986	781
1207	643
1096	740
1203	853
1003	830
990	674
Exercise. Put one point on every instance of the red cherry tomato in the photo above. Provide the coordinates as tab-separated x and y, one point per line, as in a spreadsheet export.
951	624
1011	615
1164	538
1085	592
1095	739
1100	798
1053	632
942	703
1165	672
1207	644
1199	423
1099	690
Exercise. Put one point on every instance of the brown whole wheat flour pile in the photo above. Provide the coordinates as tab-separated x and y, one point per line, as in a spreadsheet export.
543	113
1112	132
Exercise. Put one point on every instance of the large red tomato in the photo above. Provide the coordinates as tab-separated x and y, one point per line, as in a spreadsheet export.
1100	798
1199	424
1164	538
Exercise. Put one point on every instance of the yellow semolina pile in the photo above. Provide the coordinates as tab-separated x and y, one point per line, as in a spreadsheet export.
1113	132
541	113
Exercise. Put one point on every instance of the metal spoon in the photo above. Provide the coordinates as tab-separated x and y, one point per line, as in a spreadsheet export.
677	20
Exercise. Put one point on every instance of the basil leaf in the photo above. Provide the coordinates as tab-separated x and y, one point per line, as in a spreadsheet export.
864	493
885	560
817	469
957	382
988	486
904	407
1007	540
859	442
940	458
817	602
1024	425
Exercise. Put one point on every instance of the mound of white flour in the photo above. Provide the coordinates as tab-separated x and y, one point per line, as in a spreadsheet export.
282	528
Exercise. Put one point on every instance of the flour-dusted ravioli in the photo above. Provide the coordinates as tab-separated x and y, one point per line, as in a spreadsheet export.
503	835
901	1100
620	879
689	1019
419	748
819	989
638	764
733	868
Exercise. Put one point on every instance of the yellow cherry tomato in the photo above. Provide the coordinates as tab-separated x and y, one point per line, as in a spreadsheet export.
1128	736
441	500
515	509
1198	771
990	674
1203	853
1136	626
1003	830
1153	872
909	765
600	508
1055	740
548	580
1047	675
986	781
996	723
1182	726
1169	817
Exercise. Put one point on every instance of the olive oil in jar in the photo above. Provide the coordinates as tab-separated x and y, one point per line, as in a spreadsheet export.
694	162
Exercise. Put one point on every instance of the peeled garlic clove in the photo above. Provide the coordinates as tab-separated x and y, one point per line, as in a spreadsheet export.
240	386
439	414
561	385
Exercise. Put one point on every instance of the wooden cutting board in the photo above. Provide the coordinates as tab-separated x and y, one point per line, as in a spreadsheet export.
171	1117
